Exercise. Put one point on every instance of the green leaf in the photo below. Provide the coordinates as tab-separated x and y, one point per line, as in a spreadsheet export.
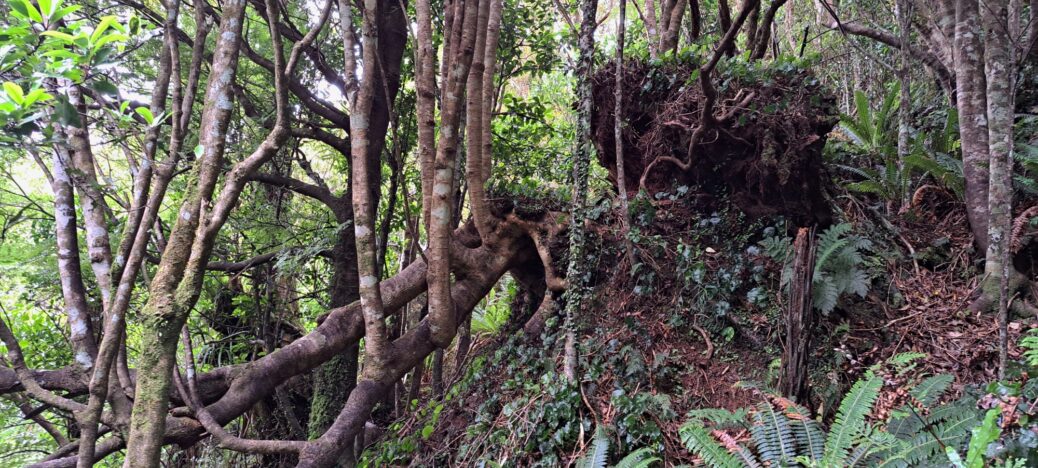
641	458
106	22
105	87
14	92
66	112
34	14
596	458
699	441
62	13
19	7
146	114
112	37
37	95
45	7
64	37
983	435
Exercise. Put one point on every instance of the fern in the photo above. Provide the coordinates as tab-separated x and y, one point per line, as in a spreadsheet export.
720	417
923	447
699	441
773	436
837	267
1030	345
983	435
850	419
641	458
784	434
809	434
931	388
596	458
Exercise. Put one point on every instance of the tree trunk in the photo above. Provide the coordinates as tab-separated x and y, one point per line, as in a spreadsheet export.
335	379
973	124
903	12
798	318
618	124
1000	68
575	292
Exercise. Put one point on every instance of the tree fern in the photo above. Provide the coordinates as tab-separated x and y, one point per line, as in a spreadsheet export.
850	419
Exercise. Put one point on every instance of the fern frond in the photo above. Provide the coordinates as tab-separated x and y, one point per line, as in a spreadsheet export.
596	458
737	449
863	172
923	447
830	242
868	186
904	359
824	296
773	436
641	458
720	418
699	441
850	419
907	426
931	388
864	116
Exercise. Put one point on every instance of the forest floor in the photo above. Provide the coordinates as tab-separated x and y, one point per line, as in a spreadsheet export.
659	352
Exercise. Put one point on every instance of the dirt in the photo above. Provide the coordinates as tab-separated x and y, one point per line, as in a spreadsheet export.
767	158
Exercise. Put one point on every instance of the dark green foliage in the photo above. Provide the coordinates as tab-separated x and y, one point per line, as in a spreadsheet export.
598	453
784	434
838	264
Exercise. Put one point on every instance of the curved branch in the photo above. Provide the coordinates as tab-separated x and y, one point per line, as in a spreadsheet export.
316	192
929	59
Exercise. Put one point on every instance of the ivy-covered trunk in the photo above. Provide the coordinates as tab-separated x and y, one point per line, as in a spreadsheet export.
576	273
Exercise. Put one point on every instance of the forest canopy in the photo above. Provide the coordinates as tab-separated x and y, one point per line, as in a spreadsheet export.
641	233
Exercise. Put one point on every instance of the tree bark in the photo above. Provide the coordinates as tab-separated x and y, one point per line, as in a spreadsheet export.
1000	71
973	124
577	269
798	318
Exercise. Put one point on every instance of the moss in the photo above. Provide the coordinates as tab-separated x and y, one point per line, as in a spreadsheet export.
333	382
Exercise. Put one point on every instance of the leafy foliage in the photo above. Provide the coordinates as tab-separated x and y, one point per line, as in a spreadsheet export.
838	264
599	452
782	433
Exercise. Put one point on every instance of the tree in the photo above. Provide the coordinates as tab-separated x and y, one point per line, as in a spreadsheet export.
976	70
